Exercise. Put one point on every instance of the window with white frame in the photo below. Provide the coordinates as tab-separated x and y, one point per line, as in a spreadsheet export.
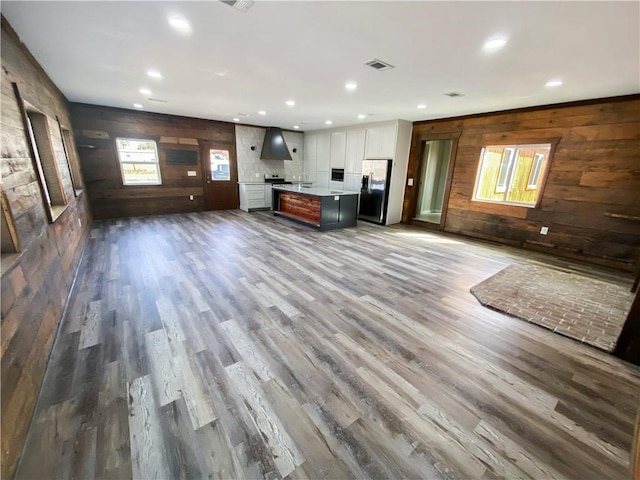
72	159
139	162
511	173
47	168
536	170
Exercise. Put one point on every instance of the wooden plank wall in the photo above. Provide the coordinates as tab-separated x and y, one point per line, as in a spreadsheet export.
98	127
35	281
595	171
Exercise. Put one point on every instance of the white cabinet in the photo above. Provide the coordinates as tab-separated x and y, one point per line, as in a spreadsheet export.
352	182
338	149
381	142
323	152
354	151
268	197
253	196
322	180
310	156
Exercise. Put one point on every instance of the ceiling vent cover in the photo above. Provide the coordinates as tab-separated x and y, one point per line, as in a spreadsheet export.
453	94
242	5
379	64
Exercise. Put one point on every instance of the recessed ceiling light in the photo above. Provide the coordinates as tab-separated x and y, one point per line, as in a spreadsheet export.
137	105
296	127
422	106
351	86
145	91
262	112
361	116
556	82
495	43
290	103
236	119
180	24
154	74
328	122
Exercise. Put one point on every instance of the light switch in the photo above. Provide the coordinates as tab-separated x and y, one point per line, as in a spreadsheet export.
410	182
192	173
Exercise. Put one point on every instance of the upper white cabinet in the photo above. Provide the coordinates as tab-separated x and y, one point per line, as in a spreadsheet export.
355	151
381	141
324	152
310	156
338	149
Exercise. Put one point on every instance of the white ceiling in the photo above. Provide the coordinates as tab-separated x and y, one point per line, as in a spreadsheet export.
234	62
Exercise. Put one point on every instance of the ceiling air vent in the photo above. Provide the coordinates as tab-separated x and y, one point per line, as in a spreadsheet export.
379	64
453	94
242	5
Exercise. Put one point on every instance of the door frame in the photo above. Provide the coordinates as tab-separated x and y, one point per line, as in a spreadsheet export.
205	147
419	146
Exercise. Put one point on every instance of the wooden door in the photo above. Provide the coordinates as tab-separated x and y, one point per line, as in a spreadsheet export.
221	177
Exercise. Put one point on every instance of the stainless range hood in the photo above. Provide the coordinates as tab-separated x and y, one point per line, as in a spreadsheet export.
274	146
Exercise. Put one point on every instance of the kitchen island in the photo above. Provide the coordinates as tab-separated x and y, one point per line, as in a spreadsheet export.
321	208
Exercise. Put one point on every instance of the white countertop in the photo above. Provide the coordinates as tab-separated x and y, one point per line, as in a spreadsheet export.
262	182
314	191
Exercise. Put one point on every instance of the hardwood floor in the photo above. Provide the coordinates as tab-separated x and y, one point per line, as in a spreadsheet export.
232	345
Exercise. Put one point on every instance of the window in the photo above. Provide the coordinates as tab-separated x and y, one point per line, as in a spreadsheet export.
505	169
536	169
46	163
219	164
72	160
138	161
511	173
8	235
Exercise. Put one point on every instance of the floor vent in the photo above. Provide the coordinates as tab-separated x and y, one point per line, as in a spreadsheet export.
379	64
242	5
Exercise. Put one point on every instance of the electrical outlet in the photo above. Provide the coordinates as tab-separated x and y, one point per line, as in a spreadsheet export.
544	230
192	173
190	197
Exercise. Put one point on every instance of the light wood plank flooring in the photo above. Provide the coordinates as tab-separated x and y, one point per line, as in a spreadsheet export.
232	345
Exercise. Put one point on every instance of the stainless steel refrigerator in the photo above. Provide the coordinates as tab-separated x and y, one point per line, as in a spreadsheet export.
374	192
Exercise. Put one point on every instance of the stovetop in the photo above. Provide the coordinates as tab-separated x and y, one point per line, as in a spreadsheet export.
280	180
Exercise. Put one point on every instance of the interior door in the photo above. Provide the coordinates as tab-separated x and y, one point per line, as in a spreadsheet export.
221	177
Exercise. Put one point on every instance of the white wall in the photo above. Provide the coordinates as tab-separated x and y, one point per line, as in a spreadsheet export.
252	169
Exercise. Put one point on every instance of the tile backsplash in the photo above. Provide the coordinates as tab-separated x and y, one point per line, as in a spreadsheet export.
252	169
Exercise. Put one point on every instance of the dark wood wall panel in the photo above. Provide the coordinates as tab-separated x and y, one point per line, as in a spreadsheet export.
35	281
595	172
98	127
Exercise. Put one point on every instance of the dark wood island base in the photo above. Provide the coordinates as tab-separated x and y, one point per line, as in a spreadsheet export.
319	208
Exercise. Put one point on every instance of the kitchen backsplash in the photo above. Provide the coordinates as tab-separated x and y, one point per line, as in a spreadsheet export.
251	168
